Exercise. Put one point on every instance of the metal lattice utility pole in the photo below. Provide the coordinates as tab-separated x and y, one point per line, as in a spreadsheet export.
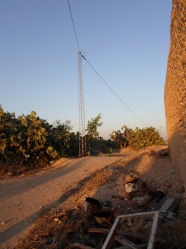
82	137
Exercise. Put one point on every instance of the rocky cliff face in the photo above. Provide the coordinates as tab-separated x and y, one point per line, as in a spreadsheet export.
175	87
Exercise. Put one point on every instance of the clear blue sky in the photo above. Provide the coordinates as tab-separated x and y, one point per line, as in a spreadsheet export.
126	41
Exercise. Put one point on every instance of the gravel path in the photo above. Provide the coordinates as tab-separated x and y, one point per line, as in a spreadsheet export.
23	199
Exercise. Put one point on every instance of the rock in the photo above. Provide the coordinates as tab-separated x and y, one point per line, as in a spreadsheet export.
131	178
171	172
167	184
141	200
10	173
129	187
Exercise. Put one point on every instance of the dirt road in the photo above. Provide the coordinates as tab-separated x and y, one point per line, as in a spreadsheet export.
23	199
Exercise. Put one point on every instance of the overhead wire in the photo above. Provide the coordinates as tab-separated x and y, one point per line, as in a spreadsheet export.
114	91
97	72
73	25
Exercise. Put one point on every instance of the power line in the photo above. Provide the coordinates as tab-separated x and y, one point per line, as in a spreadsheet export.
73	25
82	132
114	91
97	72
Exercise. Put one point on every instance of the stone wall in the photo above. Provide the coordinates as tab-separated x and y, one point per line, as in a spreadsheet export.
175	87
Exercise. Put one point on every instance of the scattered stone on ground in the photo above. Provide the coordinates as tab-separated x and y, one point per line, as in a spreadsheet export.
153	176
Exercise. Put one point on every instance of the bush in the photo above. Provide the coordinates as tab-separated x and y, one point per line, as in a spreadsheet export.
141	138
29	139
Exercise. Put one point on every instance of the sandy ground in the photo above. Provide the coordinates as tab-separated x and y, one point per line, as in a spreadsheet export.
66	224
65	187
24	198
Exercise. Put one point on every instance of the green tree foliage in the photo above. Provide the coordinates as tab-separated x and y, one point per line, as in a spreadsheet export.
119	139
141	138
10	136
100	145
138	138
31	140
62	140
92	129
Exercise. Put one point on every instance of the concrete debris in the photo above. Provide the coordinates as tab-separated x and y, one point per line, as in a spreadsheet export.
167	206
130	187
141	200
171	215
131	178
131	230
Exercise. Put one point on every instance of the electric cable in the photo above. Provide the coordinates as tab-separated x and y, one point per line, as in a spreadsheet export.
73	25
98	73
113	91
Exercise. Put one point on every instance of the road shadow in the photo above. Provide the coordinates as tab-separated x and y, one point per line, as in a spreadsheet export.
24	184
125	166
9	233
